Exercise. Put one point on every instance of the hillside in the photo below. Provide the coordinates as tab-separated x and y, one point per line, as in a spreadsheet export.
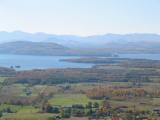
32	48
46	48
108	43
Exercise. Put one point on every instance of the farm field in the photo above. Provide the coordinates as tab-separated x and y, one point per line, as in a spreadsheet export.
71	94
34	116
2	79
70	99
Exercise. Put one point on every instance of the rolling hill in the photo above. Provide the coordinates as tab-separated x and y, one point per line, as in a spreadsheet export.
78	45
32	48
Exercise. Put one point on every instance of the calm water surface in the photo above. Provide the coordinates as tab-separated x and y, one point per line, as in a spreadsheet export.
141	56
28	62
39	62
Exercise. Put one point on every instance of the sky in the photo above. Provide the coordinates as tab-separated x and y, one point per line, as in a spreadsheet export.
80	17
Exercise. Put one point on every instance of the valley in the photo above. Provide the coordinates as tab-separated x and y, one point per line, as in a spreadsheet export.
125	86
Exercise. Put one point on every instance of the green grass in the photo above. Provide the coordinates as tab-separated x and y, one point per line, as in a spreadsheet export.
45	88
156	101
2	79
69	99
35	116
12	107
28	109
23	113
15	89
19	109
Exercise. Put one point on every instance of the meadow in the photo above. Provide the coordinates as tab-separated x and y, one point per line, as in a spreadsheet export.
2	79
32	116
70	99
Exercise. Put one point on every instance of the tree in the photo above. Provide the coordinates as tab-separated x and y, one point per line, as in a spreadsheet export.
89	105
1	114
66	113
96	105
8	110
47	108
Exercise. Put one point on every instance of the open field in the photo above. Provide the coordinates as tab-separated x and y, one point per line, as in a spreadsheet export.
35	116
70	99
74	95
2	79
19	108
15	89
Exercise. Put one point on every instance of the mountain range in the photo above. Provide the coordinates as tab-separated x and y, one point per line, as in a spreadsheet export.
32	48
50	44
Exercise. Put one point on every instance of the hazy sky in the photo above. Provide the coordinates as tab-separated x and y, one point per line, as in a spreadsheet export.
80	17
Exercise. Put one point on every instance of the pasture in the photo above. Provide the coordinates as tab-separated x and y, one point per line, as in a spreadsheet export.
70	99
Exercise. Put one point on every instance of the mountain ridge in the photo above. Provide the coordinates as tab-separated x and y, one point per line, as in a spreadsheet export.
35	48
96	44
45	37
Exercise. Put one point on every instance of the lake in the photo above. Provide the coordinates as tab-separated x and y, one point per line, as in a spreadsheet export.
28	62
141	56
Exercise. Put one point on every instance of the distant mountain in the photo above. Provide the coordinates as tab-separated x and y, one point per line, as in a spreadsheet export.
114	43
32	48
66	40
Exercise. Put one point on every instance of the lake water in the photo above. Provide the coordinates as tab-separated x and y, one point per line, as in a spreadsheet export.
141	56
40	62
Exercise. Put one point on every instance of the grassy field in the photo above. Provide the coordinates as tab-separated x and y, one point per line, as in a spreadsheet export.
19	109
45	88
24	113
28	110
20	116
73	95
2	79
20	89
12	107
69	99
156	101
15	89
